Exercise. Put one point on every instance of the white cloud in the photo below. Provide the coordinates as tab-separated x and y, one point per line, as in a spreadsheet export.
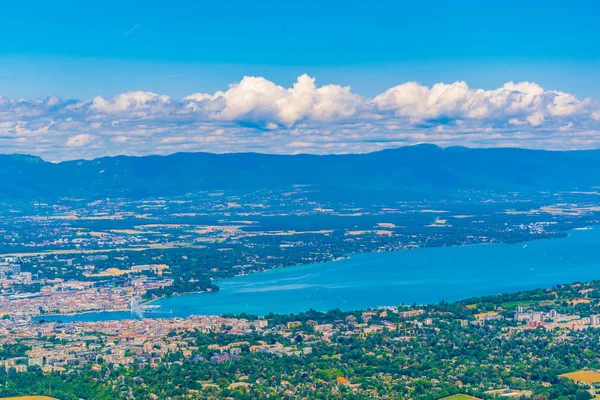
79	140
259	100
513	103
420	102
535	119
120	139
137	103
256	114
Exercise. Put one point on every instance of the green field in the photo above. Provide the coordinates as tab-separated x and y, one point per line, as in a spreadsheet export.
525	303
460	397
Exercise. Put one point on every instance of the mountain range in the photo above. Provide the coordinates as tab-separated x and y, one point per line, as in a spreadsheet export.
411	171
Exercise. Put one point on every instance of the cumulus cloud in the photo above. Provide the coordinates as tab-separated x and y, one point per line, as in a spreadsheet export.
259	100
256	114
514	103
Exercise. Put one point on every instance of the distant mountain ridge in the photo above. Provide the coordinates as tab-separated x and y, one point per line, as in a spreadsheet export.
422	170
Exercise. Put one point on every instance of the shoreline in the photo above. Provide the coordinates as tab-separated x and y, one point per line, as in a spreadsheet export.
563	234
235	307
79	313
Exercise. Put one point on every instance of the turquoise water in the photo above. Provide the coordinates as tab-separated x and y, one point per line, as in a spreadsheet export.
379	279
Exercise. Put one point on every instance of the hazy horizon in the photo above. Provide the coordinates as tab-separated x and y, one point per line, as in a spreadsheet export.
83	81
116	155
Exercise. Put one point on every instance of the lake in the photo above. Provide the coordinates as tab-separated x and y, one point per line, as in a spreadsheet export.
379	279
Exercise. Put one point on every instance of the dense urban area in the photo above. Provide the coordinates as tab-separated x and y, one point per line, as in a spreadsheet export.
74	256
540	344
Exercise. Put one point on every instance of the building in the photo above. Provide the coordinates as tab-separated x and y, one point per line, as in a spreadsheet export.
323	327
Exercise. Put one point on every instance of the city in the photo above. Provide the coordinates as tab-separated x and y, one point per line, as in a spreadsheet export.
316	200
562	318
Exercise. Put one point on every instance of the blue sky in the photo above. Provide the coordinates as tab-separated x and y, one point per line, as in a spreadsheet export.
78	50
205	44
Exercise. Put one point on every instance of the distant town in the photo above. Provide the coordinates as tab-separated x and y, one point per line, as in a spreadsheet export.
79	257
